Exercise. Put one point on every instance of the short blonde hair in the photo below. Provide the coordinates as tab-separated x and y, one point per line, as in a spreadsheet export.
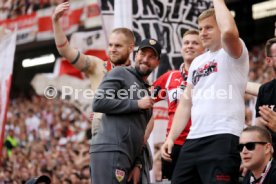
191	32
205	14
126	32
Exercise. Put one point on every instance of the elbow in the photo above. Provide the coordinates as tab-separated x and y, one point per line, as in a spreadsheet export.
96	105
229	34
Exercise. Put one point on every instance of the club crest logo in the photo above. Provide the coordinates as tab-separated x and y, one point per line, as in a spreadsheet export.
120	175
152	42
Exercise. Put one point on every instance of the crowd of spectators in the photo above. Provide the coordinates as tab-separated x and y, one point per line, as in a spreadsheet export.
48	137
259	72
52	137
15	8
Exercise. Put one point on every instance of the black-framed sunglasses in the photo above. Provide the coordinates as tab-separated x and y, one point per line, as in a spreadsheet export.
250	146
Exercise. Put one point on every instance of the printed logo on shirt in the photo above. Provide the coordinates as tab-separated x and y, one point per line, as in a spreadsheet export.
204	71
120	175
175	94
178	80
225	178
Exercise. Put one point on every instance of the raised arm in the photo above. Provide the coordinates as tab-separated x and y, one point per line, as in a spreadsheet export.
180	120
229	31
252	88
80	61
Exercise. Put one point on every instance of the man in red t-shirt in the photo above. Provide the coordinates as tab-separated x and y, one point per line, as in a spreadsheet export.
172	85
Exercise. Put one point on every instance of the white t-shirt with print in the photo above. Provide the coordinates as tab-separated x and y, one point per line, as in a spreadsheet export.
219	83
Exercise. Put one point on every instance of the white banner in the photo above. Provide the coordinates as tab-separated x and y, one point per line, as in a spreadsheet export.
7	49
161	19
92	40
123	14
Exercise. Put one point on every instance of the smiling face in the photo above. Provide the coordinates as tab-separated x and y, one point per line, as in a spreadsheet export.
191	47
254	159
146	61
209	33
119	48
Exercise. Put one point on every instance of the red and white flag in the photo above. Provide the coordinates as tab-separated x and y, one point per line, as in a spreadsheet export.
70	21
7	49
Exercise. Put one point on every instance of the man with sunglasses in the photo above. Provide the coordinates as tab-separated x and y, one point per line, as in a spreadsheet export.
255	147
266	101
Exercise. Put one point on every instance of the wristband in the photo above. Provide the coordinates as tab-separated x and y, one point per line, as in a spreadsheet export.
63	44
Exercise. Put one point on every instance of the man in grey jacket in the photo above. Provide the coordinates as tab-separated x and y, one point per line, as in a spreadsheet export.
124	99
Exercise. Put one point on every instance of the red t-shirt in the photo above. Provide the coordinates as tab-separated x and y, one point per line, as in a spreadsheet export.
172	85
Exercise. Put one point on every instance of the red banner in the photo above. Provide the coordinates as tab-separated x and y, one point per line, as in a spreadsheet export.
26	25
38	26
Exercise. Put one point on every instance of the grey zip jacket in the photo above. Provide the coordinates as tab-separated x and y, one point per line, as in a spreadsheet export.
123	123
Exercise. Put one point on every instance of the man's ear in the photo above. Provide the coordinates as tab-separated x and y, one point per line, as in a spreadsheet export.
131	48
268	61
269	148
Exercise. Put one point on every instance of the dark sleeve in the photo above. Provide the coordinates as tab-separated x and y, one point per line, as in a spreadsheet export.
105	99
272	177
259	101
161	82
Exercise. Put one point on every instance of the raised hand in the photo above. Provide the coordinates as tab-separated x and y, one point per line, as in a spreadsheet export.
60	10
268	117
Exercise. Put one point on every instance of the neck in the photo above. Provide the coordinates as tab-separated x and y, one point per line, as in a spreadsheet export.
215	48
145	78
187	65
258	171
127	63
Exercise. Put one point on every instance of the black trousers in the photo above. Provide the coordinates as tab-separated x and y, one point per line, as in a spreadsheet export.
168	167
208	160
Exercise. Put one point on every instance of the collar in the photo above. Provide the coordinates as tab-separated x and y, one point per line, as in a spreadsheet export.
183	71
260	180
138	75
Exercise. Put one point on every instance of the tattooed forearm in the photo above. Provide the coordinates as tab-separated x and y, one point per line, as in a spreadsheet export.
86	64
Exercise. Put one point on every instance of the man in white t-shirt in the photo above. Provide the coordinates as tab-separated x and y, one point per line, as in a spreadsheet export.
213	99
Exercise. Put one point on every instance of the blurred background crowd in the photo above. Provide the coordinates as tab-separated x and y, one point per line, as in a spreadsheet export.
47	137
15	8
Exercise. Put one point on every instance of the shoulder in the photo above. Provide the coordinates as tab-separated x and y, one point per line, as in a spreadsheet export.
118	71
244	54
273	164
272	173
163	78
167	74
268	86
199	58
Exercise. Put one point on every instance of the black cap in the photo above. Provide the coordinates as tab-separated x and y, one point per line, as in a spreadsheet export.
42	178
151	43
